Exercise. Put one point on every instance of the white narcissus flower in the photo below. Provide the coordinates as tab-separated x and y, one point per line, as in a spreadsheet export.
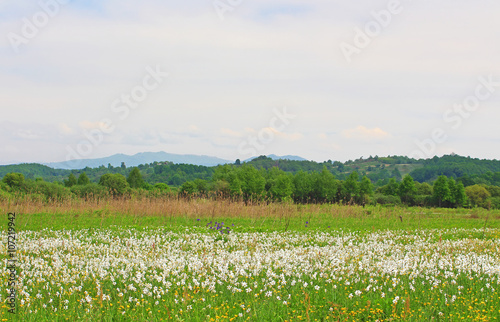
190	261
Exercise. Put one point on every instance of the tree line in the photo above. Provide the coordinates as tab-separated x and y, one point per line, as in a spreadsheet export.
379	170
246	182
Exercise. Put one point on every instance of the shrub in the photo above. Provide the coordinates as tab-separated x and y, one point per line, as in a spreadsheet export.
494	202
14	180
161	187
477	195
90	191
51	191
116	183
387	199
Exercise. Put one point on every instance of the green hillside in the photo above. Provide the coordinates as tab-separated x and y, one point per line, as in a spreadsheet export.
378	169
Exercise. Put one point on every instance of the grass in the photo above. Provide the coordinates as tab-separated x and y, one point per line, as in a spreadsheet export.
174	213
166	259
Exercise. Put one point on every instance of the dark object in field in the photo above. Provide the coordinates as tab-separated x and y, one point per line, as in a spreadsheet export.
401	218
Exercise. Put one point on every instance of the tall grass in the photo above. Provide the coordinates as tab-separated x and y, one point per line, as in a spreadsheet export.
37	213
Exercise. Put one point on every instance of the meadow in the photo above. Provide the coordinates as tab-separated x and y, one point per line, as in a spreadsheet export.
209	260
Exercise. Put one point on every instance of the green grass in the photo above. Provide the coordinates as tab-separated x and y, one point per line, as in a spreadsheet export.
368	219
332	251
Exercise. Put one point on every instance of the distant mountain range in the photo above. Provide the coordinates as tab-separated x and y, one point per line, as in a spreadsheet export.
150	157
137	159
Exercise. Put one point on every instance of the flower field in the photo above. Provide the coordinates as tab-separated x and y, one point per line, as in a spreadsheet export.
200	274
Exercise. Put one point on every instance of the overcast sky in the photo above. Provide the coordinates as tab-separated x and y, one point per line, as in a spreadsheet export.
322	79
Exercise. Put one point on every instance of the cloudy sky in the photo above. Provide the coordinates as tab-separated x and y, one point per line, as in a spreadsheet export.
323	79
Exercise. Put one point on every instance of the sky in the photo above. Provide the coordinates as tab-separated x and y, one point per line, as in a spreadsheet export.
321	79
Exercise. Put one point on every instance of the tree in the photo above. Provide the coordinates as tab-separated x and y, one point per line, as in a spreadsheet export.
83	179
459	195
116	183
365	190
407	190
252	182
14	180
441	191
201	186
282	187
161	187
90	191
324	186
135	179
477	195
221	188
351	186
390	189
302	186
71	181
234	186
51	191
188	189
396	173
423	189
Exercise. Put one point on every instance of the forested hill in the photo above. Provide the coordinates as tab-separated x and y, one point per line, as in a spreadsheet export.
378	169
35	170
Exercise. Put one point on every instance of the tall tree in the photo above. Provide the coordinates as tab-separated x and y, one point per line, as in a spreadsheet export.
188	189
365	190
14	180
83	179
252	182
71	181
407	190
325	186
281	188
116	183
396	173
477	195
441	191
459	195
135	179
302	187
351	186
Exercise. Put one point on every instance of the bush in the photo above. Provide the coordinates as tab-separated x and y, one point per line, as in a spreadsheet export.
387	200
161	187
423	200
14	180
4	186
493	202
116	183
51	191
478	195
4	195
90	191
